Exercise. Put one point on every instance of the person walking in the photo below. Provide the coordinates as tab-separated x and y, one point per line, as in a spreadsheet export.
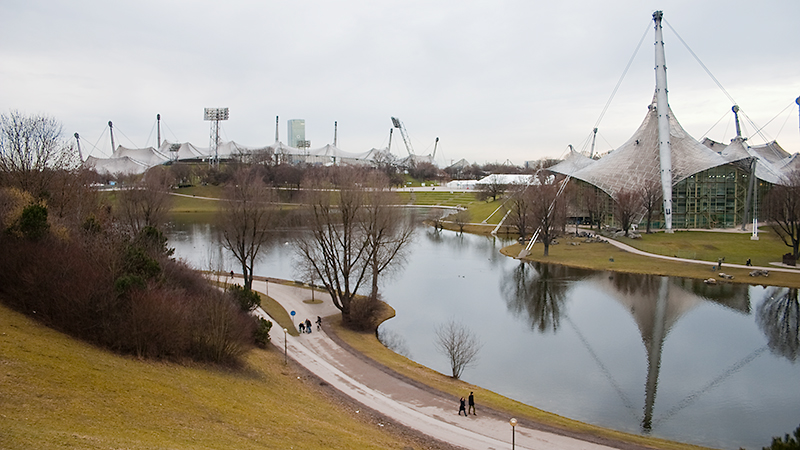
462	408
319	322
308	326
471	404
302	327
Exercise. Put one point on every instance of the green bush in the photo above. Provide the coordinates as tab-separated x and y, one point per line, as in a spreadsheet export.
787	443
33	222
247	300
261	333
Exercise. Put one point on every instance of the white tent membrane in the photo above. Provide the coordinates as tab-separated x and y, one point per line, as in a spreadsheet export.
636	163
147	156
115	166
126	161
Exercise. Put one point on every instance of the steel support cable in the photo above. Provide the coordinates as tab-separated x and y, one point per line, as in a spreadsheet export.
733	102
758	131
170	130
126	137
158	144
716	81
716	123
695	395
603	369
94	146
622	77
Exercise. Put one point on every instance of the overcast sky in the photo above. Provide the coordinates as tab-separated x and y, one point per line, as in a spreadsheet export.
494	80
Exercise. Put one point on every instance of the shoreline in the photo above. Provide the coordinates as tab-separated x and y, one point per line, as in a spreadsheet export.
621	257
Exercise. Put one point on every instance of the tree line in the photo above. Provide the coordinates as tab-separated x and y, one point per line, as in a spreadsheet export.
99	268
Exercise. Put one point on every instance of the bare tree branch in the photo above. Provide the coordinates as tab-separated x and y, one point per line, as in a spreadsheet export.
459	344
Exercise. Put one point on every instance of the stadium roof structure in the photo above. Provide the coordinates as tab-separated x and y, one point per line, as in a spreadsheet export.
134	161
636	163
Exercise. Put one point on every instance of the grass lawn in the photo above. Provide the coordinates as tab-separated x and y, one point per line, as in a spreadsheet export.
710	246
437	198
603	256
56	392
368	344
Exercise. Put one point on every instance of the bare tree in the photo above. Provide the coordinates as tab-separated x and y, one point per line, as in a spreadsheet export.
459	344
547	212
147	203
782	207
493	188
520	210
461	219
355	235
384	227
245	219
650	198
335	251
626	205
595	203
32	148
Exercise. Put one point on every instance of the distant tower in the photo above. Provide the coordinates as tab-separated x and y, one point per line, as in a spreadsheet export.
78	141
297	132
215	115
111	132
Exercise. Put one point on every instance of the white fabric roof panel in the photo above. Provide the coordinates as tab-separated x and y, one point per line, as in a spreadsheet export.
185	151
574	162
116	166
147	156
637	162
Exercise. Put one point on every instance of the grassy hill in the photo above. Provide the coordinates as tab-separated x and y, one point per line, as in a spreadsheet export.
56	392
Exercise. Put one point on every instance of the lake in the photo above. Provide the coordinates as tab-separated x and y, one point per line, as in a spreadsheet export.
668	357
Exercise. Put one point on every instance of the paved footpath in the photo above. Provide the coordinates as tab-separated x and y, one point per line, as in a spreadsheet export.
628	248
433	414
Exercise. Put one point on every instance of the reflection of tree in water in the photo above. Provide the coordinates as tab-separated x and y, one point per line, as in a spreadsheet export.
778	316
635	285
476	245
539	290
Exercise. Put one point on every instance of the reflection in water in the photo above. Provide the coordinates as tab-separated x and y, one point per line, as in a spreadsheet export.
778	317
737	393
656	304
539	290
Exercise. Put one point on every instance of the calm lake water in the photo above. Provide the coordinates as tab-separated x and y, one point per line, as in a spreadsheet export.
669	357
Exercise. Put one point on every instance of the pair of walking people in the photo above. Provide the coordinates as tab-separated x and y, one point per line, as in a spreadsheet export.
462	406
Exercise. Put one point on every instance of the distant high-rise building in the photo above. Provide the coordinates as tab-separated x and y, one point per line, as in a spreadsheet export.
297	131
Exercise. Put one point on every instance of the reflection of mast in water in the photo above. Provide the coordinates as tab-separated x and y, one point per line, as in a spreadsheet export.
655	306
654	345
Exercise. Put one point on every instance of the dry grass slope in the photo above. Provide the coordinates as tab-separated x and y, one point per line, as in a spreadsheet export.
56	392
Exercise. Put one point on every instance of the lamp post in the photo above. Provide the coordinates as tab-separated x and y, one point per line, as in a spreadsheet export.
513	423
285	347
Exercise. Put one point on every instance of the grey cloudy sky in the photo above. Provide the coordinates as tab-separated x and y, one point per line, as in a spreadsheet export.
494	80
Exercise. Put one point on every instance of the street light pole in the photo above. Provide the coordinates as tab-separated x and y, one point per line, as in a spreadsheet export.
285	347
513	423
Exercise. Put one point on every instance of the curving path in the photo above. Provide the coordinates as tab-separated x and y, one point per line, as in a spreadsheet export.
432	413
628	248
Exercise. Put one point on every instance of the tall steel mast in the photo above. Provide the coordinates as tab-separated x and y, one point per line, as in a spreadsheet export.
662	109
111	132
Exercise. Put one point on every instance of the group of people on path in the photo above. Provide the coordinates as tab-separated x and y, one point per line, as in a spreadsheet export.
462	407
305	327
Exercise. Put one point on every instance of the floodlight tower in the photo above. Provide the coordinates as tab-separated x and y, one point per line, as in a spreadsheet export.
215	115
